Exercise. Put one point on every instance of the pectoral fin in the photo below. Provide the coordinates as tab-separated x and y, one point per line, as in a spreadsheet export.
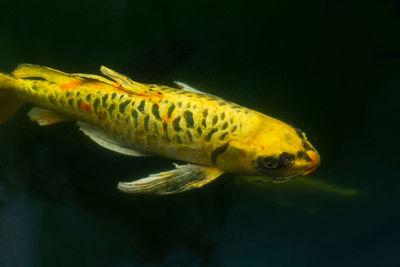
183	178
46	117
103	140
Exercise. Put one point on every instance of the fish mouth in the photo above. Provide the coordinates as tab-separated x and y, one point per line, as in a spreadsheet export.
310	170
315	161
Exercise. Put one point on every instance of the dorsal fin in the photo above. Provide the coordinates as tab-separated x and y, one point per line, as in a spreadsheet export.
49	74
93	77
188	88
125	83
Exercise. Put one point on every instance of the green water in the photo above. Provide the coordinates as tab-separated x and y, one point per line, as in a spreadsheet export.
332	68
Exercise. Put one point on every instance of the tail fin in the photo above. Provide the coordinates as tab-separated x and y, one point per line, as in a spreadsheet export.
9	103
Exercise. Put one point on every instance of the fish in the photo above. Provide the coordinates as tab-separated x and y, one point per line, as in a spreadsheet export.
214	136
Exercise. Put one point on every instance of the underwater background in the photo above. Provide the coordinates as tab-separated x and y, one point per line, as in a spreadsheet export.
330	67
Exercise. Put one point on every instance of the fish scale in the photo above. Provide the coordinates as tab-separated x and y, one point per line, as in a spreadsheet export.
193	129
214	135
136	121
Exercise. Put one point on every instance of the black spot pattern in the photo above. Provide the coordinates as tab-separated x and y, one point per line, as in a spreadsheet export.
155	127
104	100
214	120
88	97
146	123
222	137
303	155
189	119
189	137
219	150
170	110
111	108
96	103
141	106
306	145
199	131
123	105
203	122
210	134
175	124
299	133
135	116
165	127
155	111
286	159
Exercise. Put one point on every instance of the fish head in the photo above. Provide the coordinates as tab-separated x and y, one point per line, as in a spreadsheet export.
275	151
284	153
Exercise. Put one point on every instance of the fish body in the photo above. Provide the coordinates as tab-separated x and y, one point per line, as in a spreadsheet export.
214	135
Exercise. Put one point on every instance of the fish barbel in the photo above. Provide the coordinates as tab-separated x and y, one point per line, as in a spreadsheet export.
215	136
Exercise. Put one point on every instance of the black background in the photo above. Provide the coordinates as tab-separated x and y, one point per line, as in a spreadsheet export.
332	68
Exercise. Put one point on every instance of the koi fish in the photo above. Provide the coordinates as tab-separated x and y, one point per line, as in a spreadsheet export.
213	135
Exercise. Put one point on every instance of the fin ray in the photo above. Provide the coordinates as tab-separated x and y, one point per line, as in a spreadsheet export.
183	178
93	77
186	87
103	140
46	117
126	83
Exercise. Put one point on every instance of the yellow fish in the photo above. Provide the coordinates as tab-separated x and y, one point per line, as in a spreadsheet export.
215	136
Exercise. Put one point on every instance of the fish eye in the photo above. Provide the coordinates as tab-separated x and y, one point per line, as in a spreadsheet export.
267	163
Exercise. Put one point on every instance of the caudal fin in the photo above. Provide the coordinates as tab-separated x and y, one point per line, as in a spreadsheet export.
9	102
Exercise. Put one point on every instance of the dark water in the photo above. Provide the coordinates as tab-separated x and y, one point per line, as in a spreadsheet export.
331	68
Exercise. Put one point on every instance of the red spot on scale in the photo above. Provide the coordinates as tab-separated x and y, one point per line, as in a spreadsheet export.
86	107
71	85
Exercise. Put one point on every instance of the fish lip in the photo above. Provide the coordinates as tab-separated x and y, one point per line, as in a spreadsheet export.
310	170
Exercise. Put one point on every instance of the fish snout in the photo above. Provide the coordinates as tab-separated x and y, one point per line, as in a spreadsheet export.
313	163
